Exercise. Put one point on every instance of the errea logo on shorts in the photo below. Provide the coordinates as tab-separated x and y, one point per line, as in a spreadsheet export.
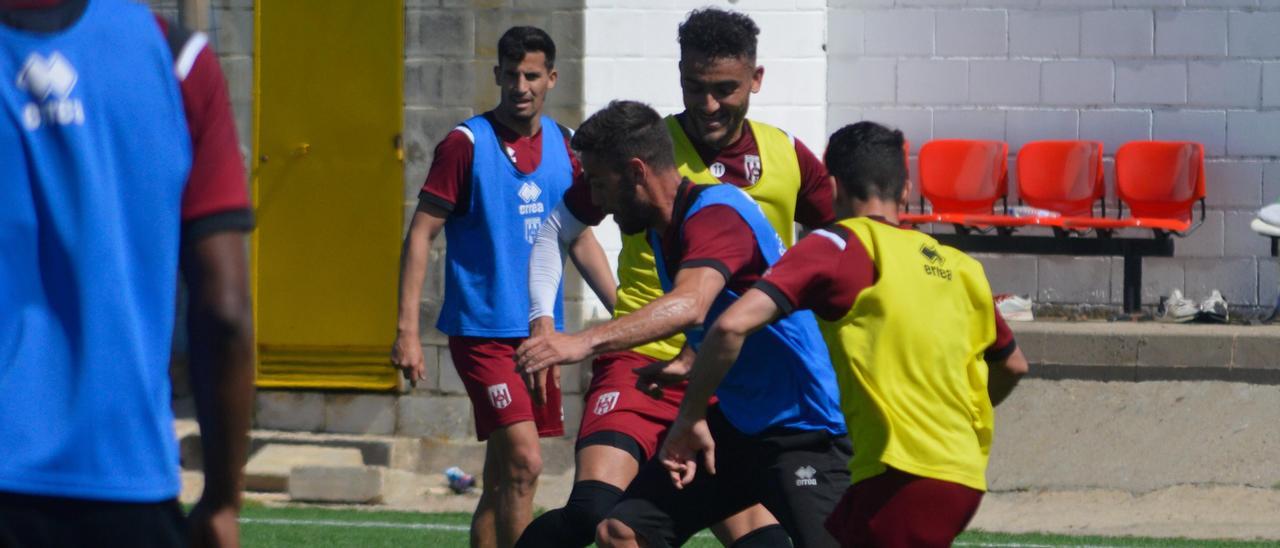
804	476
605	403
499	396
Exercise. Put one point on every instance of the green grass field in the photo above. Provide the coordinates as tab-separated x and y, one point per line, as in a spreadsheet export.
315	527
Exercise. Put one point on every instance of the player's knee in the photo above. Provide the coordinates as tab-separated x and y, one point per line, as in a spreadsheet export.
764	537
589	503
612	532
524	465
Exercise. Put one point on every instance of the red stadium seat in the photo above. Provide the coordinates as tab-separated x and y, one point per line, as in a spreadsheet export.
1159	181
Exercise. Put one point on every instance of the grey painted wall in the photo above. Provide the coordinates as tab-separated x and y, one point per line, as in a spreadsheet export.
1112	70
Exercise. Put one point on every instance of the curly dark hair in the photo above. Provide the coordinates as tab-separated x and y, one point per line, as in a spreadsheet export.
624	130
518	41
719	33
866	159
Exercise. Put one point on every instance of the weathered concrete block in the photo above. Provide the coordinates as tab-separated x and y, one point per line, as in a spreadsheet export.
1257	350
1014	274
1268	280
360	414
972	32
1151	82
1186	350
1051	33
1090	82
844	33
234	33
928	82
1208	240
1270	182
1090	348
1208	127
1271	84
1084	280
1115	127
238	70
450	382
1160	276
1252	133
1224	84
968	124
1242	241
447	417
1236	278
349	484
283	410
1233	184
862	81
439	32
572	408
916	124
1191	33
1253	34
1116	33
898	32
1025	126
269	468
1004	82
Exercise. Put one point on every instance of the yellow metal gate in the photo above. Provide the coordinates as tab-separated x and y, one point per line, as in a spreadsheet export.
328	188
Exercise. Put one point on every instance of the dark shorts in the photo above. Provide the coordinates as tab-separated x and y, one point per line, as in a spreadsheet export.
29	520
798	476
498	394
613	404
898	509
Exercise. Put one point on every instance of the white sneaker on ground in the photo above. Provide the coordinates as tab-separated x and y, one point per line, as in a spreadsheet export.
1014	308
1178	308
1214	308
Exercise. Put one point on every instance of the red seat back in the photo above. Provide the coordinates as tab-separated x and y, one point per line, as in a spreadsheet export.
1160	179
1061	176
964	176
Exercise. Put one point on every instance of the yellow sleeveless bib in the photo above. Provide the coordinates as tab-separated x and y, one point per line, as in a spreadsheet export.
775	192
909	359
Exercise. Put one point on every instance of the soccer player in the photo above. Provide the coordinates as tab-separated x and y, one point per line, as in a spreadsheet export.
778	414
118	166
921	354
714	142
492	181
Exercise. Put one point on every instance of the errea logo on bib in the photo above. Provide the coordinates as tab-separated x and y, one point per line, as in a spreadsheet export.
529	193
50	81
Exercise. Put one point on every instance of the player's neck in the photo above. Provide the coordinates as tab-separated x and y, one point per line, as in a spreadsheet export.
665	189
525	128
873	207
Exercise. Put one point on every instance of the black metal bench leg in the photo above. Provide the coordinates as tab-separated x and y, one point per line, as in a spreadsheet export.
1132	282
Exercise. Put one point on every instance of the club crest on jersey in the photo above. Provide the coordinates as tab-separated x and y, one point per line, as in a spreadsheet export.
717	170
531	227
49	81
804	476
605	403
499	396
529	193
753	167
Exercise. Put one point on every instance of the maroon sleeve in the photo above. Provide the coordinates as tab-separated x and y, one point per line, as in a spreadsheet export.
824	272
578	200
1004	344
815	204
448	182
216	197
719	238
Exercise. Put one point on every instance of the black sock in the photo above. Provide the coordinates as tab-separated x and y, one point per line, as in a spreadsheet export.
575	524
769	536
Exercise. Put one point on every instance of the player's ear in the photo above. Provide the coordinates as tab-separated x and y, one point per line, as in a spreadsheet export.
551	78
497	75
757	78
905	197
636	170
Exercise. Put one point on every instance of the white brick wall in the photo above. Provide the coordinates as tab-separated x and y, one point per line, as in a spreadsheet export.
1109	70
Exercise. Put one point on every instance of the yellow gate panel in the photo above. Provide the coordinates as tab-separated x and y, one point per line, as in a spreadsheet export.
328	188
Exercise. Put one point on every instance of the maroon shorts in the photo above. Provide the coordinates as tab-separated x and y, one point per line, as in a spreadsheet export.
613	404
498	394
898	509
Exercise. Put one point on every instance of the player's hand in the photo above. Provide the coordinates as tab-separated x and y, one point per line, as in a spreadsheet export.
679	453
536	382
213	525
652	378
406	354
538	353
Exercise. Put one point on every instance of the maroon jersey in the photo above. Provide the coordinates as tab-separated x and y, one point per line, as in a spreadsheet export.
714	237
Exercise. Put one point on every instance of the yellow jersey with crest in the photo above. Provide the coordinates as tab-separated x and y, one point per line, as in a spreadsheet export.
909	359
775	192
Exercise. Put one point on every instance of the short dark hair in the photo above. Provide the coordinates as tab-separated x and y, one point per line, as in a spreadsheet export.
518	41
624	130
867	160
719	33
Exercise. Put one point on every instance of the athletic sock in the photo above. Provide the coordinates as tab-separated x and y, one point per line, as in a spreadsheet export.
575	524
769	536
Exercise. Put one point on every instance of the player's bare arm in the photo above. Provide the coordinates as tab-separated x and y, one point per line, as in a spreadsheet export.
1004	375
591	262
689	435
406	352
220	320
682	308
